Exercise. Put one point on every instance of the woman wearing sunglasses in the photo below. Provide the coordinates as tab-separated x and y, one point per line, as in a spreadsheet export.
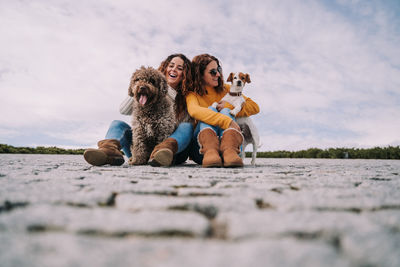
216	132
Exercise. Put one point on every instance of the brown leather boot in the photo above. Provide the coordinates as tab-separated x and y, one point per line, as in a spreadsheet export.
107	153
163	153
231	141
209	144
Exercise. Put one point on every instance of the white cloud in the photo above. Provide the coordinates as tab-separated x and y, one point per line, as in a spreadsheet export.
322	76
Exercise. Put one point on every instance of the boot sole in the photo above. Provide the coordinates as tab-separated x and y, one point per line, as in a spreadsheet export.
95	157
118	161
163	157
233	165
212	166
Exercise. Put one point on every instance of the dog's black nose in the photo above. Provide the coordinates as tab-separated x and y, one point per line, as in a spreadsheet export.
143	89
239	83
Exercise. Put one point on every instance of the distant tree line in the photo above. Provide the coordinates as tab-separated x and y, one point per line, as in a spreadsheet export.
38	150
389	152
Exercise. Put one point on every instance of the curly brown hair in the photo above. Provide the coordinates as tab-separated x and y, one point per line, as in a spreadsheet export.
199	64
184	86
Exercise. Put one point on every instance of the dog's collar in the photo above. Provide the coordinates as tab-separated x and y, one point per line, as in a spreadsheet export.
235	94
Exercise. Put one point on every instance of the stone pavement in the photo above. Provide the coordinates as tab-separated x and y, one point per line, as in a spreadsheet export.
56	210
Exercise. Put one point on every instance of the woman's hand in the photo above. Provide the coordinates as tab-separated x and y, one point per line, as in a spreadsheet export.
221	105
234	125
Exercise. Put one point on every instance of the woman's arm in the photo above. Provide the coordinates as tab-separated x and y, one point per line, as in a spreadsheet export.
204	114
249	108
126	106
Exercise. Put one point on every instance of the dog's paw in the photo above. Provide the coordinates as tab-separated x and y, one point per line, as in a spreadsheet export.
137	161
233	113
131	161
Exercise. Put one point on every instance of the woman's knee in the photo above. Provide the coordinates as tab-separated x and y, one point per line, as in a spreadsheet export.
226	111
184	131
186	127
119	124
213	109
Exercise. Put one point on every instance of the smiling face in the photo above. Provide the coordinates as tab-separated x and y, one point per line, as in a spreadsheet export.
174	72
211	74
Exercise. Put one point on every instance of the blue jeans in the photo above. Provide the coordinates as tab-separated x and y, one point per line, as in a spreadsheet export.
194	151
121	131
183	136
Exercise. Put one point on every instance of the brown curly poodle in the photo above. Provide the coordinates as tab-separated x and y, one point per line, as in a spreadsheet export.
153	116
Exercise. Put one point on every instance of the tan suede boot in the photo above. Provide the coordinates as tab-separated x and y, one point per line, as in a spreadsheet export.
163	153
209	144
107	153
231	141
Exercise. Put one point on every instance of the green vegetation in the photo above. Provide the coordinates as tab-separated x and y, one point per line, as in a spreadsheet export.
38	150
389	152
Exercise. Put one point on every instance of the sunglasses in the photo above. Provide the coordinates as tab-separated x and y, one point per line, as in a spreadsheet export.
213	72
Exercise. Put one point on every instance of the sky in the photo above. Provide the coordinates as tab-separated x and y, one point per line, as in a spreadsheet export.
325	73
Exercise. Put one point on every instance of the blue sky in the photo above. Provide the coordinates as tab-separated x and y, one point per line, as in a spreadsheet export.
324	73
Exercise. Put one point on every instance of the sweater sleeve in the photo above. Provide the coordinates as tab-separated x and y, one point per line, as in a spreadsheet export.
249	108
126	106
206	115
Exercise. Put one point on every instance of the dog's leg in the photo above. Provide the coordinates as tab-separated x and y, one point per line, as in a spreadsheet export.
235	111
136	154
139	152
243	155
146	154
242	152
254	154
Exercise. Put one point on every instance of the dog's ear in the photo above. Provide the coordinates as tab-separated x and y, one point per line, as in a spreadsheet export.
247	78
130	93
163	84
230	78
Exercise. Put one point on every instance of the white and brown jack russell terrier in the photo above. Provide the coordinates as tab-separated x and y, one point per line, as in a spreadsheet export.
234	97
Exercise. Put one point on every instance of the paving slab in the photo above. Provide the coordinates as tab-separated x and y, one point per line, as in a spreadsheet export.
56	210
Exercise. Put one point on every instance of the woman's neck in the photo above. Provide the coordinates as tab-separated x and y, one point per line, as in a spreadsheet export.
209	88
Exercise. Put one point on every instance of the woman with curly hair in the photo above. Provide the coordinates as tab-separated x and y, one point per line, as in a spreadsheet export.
177	70
217	134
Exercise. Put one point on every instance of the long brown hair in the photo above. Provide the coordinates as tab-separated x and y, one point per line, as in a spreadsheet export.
184	86
199	64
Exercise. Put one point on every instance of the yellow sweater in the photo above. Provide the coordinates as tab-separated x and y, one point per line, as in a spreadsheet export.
198	107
